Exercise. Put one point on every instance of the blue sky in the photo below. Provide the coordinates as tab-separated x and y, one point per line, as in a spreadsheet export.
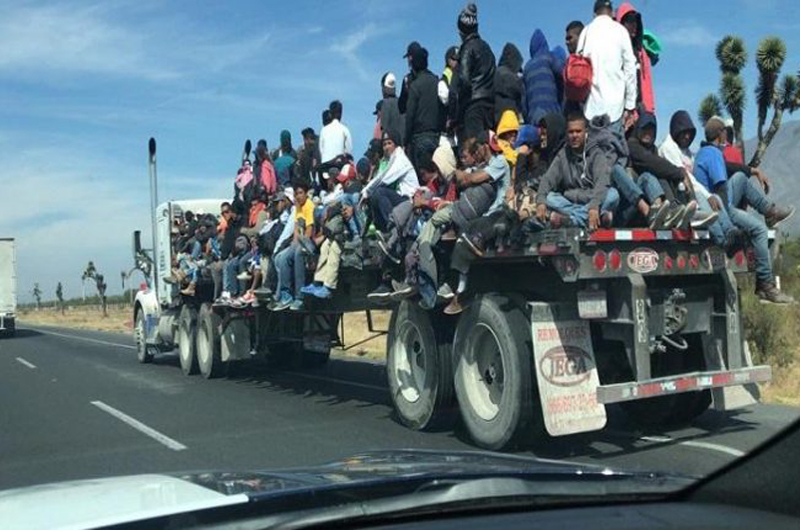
83	86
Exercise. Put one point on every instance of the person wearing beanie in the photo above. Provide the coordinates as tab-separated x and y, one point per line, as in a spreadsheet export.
390	117
285	157
739	192
308	156
411	49
474	81
424	114
542	76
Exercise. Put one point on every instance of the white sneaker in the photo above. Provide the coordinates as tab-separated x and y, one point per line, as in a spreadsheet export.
245	276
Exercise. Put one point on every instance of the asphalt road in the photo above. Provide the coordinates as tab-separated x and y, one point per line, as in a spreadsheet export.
76	404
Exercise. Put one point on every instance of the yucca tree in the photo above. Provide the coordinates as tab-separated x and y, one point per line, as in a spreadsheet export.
37	294
770	94
60	297
99	281
732	57
710	106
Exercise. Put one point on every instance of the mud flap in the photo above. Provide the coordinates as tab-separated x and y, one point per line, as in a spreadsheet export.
566	371
236	340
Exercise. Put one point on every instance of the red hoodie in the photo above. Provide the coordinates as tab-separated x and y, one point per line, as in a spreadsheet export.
646	95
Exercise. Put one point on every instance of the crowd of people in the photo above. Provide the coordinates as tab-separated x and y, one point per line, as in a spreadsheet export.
485	154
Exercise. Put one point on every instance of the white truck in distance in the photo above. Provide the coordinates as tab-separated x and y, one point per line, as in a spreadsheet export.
8	286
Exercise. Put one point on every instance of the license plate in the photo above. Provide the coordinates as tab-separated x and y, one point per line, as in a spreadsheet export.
592	304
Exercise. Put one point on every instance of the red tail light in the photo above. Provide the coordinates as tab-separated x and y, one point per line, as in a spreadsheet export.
681	262
740	258
615	260
668	263
599	261
694	261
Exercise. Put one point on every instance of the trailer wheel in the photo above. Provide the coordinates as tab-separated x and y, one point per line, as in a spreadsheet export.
675	410
493	371
143	352
209	350
187	339
419	369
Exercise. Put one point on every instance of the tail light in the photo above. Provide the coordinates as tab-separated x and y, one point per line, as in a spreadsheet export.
668	263
694	261
599	261
740	258
681	262
615	260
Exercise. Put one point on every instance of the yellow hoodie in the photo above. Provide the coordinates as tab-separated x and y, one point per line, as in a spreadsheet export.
508	123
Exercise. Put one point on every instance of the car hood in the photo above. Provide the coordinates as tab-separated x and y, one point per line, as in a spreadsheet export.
117	500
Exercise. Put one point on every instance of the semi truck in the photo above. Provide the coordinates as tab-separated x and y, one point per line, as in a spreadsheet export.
8	286
555	332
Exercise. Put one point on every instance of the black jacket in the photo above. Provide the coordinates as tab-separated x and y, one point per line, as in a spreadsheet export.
508	85
531	168
475	71
645	158
424	110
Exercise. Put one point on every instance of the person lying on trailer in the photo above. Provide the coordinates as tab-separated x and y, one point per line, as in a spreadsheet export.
576	189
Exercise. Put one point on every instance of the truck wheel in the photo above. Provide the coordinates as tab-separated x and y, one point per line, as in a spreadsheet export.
209	349
187	338
143	352
676	410
493	371
418	369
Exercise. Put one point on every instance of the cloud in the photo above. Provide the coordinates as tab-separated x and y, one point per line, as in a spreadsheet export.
350	44
688	33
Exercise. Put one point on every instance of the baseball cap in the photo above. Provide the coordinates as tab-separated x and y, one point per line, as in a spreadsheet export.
348	172
412	47
378	107
388	80
599	4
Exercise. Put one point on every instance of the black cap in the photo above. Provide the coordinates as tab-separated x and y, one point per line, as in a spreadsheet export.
378	106
412	47
599	4
308	132
375	146
451	53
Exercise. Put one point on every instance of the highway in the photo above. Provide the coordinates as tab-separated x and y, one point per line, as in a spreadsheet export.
76	404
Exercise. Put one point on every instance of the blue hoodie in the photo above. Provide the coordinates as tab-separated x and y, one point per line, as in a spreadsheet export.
541	76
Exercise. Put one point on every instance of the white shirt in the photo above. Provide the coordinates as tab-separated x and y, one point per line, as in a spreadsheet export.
684	158
334	140
400	171
608	44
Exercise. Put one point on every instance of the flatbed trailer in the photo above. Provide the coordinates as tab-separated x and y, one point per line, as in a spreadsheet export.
554	332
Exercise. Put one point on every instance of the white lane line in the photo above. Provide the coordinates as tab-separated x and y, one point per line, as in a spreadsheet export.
334	380
141	427
692	443
76	337
26	363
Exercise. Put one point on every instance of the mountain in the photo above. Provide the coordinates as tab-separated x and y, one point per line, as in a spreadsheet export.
782	166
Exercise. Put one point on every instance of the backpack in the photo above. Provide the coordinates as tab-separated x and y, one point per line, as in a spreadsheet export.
578	77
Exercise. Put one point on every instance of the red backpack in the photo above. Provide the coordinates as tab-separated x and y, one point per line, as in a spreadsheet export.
578	76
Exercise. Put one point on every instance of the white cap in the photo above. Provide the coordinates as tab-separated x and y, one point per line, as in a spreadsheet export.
289	192
389	81
728	122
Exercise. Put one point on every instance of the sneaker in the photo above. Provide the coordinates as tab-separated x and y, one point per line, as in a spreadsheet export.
532	225
322	292
244	276
381	294
263	292
387	251
473	242
402	290
606	219
776	214
674	216
283	303
296	305
224	299
703	220
445	293
657	216
558	220
238	303
688	214
768	293
309	289
454	307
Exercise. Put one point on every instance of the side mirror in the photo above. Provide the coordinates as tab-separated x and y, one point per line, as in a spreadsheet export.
151	147
137	244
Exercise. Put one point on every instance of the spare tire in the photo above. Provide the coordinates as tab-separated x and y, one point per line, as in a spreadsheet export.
493	378
419	369
187	337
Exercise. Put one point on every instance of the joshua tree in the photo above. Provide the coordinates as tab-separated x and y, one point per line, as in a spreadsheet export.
37	294
60	297
99	281
780	97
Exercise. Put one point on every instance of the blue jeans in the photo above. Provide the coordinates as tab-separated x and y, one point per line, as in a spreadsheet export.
720	228
743	192
229	272
290	264
579	213
645	186
382	201
355	223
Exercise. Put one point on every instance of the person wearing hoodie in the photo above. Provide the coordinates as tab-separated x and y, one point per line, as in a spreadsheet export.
632	21
507	131
509	90
535	151
391	119
614	91
424	113
474	81
264	171
738	193
285	158
577	186
541	76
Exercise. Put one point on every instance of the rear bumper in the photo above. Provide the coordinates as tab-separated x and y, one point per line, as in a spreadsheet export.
676	384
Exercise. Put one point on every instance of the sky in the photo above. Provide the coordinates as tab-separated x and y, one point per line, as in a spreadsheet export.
83	85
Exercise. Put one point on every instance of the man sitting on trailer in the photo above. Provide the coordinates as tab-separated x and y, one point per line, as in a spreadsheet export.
576	189
290	263
737	193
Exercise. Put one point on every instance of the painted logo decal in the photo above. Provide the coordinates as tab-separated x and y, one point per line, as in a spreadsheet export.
565	366
643	260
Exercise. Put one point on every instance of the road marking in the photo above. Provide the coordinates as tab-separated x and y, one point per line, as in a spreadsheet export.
692	443
26	363
97	341
141	427
334	380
